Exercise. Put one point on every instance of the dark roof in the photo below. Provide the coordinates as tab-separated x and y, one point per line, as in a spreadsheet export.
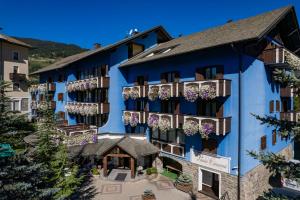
13	41
232	32
134	147
71	59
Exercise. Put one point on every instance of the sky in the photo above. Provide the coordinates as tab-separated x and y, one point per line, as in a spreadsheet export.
85	22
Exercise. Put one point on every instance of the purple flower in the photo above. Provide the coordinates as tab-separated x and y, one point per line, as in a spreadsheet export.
95	138
134	119
153	121
191	92
205	129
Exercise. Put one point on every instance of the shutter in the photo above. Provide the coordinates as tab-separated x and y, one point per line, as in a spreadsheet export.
176	77
60	96
199	74
274	139
277	106
163	78
263	142
220	72
271	106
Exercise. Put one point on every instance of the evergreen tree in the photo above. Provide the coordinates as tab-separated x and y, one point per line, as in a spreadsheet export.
278	165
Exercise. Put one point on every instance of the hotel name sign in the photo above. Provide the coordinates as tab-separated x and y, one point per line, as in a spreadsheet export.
211	161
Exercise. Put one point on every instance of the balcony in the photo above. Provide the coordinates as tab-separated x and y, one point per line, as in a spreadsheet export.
162	91
127	115
213	161
292	116
219	126
134	92
88	84
280	56
17	77
174	149
44	87
207	89
87	109
286	92
171	118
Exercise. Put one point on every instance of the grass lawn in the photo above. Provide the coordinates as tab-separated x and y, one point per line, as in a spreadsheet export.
169	174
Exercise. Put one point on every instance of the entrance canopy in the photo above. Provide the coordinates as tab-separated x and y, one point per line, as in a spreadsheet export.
134	147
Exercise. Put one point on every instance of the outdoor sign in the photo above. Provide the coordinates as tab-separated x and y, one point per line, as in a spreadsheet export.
211	161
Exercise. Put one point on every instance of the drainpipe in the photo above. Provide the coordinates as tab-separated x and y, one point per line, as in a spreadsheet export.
240	63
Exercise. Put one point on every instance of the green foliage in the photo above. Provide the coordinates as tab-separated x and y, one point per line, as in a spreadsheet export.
14	126
271	195
297	103
169	174
95	171
22	179
184	179
151	170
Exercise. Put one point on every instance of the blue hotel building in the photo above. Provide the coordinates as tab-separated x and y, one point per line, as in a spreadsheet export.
166	90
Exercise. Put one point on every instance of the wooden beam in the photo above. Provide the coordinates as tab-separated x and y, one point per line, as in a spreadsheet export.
118	155
296	50
132	167
105	166
291	33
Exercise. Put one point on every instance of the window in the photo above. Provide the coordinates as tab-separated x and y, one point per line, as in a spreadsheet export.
16	69
172	136
15	105
277	106
16	87
24	104
212	72
50	80
134	49
207	108
271	106
60	96
15	55
168	106
263	142
181	137
274	137
140	105
140	80
104	70
60	78
169	77
155	134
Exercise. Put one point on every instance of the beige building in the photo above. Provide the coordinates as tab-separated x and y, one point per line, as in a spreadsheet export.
14	69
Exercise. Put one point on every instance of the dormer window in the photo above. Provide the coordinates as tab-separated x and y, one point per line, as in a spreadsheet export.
134	49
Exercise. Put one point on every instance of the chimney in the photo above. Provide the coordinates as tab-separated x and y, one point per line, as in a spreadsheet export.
97	45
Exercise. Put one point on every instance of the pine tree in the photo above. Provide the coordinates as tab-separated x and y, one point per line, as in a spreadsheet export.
278	165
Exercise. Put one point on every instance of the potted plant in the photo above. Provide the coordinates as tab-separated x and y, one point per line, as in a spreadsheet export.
153	120
164	124
148	195
126	118
164	92
126	93
135	93
207	92
205	129
190	127
153	93
151	172
134	120
191	92
95	171
184	183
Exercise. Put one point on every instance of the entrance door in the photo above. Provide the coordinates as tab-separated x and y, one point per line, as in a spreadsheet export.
209	183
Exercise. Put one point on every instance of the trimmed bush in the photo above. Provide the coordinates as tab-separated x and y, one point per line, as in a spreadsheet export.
151	170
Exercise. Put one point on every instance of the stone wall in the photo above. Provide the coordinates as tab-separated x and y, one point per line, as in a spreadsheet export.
253	184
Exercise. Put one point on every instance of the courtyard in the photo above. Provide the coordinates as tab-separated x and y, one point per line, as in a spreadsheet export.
161	186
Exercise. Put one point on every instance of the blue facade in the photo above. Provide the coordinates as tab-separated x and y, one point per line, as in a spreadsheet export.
257	90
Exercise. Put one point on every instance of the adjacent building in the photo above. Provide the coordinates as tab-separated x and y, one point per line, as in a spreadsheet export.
14	69
192	97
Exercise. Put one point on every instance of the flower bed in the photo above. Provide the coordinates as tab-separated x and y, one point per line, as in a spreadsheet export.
191	92
153	93
164	124
190	127
206	129
153	120
165	92
207	92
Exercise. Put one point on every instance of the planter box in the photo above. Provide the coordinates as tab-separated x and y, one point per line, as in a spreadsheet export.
184	187
148	197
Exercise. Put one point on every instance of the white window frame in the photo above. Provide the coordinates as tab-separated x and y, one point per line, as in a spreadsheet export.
200	179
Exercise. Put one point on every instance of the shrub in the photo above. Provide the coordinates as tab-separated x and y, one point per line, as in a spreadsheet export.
151	170
184	179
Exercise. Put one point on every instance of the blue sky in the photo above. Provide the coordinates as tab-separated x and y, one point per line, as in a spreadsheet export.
85	22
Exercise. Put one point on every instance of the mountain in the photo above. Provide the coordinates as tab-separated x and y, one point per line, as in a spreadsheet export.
45	52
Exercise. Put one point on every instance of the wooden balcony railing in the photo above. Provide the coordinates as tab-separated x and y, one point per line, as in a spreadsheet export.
90	83
221	126
141	90
174	119
174	88
140	114
83	108
17	77
175	149
292	116
279	55
221	86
